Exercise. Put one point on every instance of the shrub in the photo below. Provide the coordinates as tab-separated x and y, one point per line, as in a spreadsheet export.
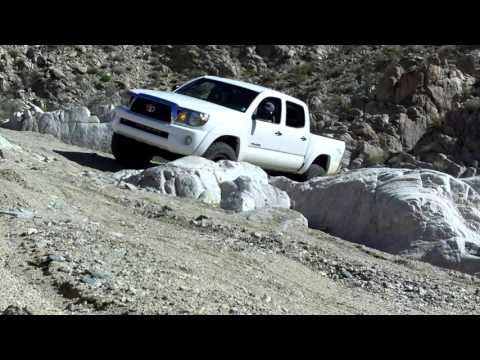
303	71
105	77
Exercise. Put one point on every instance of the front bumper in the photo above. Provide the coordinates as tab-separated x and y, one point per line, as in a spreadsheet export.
163	135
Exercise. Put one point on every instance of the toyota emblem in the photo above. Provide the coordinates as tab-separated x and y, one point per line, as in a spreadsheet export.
150	108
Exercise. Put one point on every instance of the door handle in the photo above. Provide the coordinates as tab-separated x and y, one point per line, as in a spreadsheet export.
278	133
303	138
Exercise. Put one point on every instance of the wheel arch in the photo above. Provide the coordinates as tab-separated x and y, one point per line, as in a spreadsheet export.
320	159
233	140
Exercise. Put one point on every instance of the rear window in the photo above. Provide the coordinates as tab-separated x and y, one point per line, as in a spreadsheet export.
295	115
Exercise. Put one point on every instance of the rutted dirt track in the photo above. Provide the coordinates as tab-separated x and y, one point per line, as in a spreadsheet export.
93	247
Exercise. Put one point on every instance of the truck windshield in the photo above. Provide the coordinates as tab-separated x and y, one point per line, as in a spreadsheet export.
220	93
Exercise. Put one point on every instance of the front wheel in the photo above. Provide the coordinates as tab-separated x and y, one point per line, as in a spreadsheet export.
314	171
220	151
130	153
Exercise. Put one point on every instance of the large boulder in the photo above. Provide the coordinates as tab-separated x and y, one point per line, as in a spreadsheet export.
7	147
236	186
74	126
422	213
244	194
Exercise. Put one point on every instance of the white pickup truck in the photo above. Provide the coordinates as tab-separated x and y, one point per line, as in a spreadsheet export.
221	119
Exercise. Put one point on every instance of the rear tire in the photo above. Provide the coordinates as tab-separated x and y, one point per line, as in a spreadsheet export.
220	151
130	153
314	171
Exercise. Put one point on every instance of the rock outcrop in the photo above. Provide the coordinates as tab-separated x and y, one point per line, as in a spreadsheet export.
74	126
425	214
233	186
6	147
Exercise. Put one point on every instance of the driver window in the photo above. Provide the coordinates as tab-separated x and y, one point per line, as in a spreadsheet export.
269	110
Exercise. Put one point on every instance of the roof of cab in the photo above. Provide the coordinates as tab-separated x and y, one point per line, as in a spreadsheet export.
243	84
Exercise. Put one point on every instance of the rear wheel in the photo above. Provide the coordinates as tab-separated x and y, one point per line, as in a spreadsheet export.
314	171
220	151
131	153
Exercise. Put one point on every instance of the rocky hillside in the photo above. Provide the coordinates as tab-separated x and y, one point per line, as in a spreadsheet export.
403	106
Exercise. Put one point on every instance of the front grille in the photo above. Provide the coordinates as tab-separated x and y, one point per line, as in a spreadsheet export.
144	128
152	109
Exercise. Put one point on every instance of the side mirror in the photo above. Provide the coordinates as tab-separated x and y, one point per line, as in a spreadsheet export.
254	117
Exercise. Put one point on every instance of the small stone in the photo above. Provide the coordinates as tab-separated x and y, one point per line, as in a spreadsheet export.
346	274
56	73
202	217
266	298
99	275
256	235
81	69
51	258
130	187
90	280
29	232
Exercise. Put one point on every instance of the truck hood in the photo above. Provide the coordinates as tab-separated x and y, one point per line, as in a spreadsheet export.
187	102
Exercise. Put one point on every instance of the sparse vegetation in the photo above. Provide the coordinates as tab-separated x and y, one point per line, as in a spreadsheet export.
106	77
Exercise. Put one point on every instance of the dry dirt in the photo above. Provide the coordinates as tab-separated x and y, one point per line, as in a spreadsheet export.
92	247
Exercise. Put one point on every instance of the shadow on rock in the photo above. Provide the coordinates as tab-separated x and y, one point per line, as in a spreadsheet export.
92	160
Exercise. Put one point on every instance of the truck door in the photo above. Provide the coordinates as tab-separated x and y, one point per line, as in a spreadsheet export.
296	133
269	143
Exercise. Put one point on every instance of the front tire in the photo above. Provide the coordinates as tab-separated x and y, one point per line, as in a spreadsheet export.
220	151
130	153
314	171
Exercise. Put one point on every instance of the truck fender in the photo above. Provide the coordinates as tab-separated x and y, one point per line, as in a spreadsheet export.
213	136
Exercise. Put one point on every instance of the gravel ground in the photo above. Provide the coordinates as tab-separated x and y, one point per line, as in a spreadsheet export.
84	245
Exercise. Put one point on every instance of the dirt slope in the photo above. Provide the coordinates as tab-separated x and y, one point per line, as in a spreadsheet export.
92	247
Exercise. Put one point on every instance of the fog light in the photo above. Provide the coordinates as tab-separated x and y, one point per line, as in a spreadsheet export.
188	140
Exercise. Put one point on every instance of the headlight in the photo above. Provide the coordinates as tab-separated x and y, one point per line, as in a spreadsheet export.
192	118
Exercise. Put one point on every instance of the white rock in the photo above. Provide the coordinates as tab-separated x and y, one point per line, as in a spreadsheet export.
234	186
73	126
422	213
230	170
245	194
7	147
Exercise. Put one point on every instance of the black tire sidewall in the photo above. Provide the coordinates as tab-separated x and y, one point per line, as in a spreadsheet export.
220	149
313	171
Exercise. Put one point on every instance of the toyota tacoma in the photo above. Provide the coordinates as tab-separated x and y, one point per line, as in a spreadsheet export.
223	119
